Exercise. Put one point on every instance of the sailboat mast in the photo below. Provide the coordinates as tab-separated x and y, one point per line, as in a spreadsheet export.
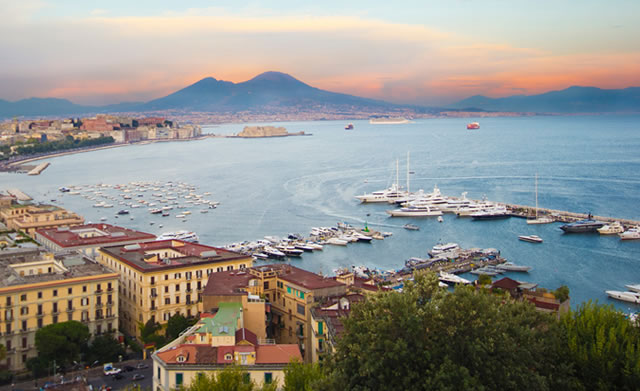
408	189
397	174
536	195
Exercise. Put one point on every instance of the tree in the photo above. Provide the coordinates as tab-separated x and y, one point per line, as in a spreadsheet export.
604	347
231	378
429	339
177	324
62	342
149	333
299	376
3	352
104	348
562	293
484	279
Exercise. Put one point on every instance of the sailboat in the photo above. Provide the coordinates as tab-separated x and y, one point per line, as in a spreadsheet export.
536	219
387	195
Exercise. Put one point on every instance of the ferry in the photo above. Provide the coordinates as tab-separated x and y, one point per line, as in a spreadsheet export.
473	125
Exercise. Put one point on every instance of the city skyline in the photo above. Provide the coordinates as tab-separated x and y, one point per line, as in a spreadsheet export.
415	53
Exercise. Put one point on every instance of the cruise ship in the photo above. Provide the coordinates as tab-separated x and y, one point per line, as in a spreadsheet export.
187	236
388	121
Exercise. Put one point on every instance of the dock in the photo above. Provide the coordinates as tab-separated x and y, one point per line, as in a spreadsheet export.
20	196
562	216
39	168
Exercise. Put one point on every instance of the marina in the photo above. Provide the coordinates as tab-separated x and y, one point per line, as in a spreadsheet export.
313	182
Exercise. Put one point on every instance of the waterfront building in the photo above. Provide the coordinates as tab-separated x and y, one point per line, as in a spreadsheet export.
39	288
543	301
88	238
218	340
291	292
162	278
28	218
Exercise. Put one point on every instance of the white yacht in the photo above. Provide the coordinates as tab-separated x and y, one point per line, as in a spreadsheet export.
386	195
187	236
443	248
611	229
631	297
530	238
497	212
454	204
415	211
633	287
539	219
452	278
630	234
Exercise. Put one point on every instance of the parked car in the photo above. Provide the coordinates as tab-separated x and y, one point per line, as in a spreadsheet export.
142	366
118	376
138	376
128	368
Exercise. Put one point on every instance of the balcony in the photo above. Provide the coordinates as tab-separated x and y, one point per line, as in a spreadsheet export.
98	304
109	303
55	311
110	289
98	317
98	291
189	290
40	314
154	294
71	309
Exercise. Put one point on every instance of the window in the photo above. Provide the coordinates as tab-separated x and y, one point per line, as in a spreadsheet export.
219	269
320	328
24	310
84	301
24	325
166	277
54	319
177	287
166	289
288	289
177	299
230	267
167	300
228	357
39	323
84	288
23	297
55	292
39	295
8	301
70	290
301	309
153	280
178	379
266	285
268	378
24	342
159	373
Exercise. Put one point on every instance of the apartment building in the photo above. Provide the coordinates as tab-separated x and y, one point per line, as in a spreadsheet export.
39	288
29	218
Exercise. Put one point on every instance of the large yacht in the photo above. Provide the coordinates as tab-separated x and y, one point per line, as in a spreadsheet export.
443	248
497	212
387	195
583	226
415	211
187	236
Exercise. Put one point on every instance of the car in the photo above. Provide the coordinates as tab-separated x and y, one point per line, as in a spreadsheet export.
142	366
128	368
118	376
138	376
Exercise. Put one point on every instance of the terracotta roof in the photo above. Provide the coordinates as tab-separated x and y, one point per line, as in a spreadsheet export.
277	354
222	351
193	354
192	253
544	304
102	234
302	277
227	283
246	335
506	283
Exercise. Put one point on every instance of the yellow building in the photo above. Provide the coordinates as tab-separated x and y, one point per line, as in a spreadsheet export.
162	278
29	218
291	293
38	289
216	342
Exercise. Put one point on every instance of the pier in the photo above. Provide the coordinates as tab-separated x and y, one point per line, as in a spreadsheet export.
39	168
20	196
562	216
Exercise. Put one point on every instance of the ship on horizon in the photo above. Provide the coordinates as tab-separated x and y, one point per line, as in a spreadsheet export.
388	120
473	125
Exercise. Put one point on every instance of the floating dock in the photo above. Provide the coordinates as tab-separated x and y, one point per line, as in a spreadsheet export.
20	196
39	168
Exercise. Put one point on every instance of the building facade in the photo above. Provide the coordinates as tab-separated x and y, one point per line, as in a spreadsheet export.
38	289
29	218
162	278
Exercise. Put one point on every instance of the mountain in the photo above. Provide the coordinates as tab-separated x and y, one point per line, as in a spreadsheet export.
41	106
571	100
271	91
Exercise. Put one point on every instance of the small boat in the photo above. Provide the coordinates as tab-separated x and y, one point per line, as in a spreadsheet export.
204	211
337	242
179	216
511	267
103	219
611	229
473	125
530	238
123	212
411	227
440	219
64	189
165	214
633	287
631	297
630	234
155	211
290	251
348	127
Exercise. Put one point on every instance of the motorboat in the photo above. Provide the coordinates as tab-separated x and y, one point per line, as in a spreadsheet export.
452	278
440	219
443	248
497	212
337	242
611	228
272	252
411	227
415	211
187	236
511	267
530	238
473	125
583	226
348	127
290	251
633	287
630	234
123	212
631	297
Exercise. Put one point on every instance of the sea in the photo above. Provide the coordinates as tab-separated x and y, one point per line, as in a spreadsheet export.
277	186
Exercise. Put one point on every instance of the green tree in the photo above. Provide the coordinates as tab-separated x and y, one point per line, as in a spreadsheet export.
177	324
604	347
484	279
562	293
62	342
299	376
3	352
104	348
429	339
231	378
149	333
39	367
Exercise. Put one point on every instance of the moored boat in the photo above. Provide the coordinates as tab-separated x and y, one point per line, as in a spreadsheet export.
411	227
583	226
633	287
631	297
511	267
630	234
530	238
611	228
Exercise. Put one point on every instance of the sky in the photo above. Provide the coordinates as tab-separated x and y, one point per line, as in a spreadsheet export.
423	52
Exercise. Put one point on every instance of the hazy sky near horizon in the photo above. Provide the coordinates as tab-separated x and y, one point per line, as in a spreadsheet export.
425	52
